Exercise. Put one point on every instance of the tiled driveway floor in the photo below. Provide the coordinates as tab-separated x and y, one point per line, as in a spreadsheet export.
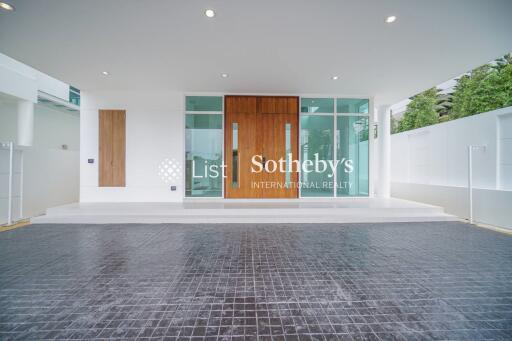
393	281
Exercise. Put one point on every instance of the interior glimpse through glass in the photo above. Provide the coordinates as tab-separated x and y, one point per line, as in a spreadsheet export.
203	149
352	152
235	167
352	105
288	151
316	143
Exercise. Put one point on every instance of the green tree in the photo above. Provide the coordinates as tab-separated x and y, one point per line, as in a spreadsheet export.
394	124
444	104
421	111
486	88
503	61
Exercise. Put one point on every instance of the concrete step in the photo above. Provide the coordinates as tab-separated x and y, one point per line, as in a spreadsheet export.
254	212
155	219
250	211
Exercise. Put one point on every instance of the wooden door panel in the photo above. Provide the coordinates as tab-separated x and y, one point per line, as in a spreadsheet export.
242	111
241	104
105	149
261	131
112	148
274	144
278	105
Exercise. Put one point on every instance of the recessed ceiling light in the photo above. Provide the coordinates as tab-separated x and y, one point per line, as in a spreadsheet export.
105	73
334	78
6	6
210	13
391	19
224	75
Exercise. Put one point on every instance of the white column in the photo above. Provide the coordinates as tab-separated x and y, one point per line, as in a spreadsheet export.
384	150
25	123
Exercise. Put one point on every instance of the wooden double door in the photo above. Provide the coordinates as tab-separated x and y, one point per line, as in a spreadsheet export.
260	131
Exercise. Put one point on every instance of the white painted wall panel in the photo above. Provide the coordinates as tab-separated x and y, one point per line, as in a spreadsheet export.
505	151
438	154
52	86
51	175
154	131
8	121
15	84
51	179
430	165
490	206
23	81
55	128
4	185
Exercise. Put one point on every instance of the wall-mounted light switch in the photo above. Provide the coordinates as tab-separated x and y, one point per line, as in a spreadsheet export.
90	160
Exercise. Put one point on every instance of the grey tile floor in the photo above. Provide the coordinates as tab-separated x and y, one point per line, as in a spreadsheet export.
393	281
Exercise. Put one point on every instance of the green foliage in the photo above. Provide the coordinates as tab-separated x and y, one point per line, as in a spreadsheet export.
444	118
394	125
486	88
421	111
444	104
479	92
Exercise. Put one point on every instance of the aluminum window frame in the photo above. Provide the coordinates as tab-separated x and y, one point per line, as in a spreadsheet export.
371	139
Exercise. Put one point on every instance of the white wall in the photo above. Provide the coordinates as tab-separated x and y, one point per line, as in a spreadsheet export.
8	120
23	81
51	178
154	132
430	165
50	174
17	79
54	128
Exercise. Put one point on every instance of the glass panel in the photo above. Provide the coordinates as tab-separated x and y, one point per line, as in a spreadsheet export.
234	182
317	105
316	145
203	154
203	103
352	105
288	152
74	95
352	153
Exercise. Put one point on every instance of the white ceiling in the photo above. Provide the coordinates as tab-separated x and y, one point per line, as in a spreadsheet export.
266	46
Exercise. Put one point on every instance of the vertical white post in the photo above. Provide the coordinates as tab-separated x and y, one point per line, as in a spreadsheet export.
335	154
384	148
21	184
470	183
470	177
9	191
25	123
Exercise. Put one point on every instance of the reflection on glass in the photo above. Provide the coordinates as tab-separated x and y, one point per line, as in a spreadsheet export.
287	156
317	105
352	152
234	182
203	103
352	105
74	95
203	155
316	142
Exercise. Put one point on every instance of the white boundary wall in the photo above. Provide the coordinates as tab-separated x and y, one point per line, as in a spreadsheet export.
430	165
50	173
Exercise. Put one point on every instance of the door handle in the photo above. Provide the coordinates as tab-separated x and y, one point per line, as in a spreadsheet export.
264	160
